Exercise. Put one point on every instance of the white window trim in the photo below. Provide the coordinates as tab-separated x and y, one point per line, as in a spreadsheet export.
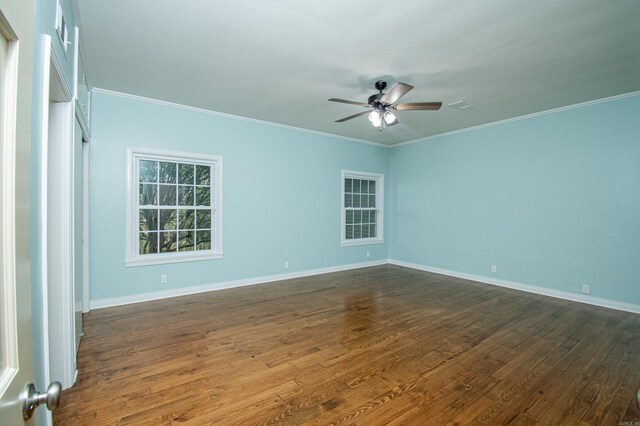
132	257
379	178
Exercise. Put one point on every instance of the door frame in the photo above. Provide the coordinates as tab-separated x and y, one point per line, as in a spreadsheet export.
57	223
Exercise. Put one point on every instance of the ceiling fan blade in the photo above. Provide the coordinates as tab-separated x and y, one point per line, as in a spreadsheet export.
353	116
418	106
395	93
344	101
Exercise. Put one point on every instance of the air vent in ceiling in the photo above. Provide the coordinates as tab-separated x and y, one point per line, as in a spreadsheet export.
461	105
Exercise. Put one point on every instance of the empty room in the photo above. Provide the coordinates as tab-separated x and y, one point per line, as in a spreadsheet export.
296	212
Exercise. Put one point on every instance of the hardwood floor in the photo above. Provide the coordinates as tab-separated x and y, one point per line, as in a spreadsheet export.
378	346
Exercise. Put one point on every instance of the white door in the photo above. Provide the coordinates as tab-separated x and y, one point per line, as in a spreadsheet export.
16	52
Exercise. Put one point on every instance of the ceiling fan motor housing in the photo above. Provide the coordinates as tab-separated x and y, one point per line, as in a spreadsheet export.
374	99
381	85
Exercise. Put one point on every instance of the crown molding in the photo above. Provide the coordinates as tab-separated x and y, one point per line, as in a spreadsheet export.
521	117
230	116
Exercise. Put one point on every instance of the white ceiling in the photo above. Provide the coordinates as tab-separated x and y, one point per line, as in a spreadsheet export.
280	60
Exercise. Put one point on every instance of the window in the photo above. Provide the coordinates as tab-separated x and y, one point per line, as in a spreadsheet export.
362	208
61	27
174	205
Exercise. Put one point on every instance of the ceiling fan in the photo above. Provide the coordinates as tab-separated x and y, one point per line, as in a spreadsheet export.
378	105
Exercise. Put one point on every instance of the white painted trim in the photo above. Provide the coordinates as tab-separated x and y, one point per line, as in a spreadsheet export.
132	258
379	178
44	210
86	148
558	294
59	75
165	294
231	116
361	242
519	118
163	259
61	281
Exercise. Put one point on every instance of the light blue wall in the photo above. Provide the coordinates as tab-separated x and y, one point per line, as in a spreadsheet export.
281	195
553	201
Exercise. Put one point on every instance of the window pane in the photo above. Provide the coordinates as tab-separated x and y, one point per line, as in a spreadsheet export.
349	217
349	232
203	175
202	196
168	242
203	219
148	171
348	185
203	241
348	200
360	214
148	220
167	172
356	231
185	173
175	204
167	195
148	242
185	218
168	219
185	196
185	240
148	194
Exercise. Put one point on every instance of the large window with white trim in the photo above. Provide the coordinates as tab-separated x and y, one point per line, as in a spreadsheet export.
174	207
362	208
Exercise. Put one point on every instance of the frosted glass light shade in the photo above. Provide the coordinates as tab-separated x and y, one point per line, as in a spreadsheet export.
375	118
389	117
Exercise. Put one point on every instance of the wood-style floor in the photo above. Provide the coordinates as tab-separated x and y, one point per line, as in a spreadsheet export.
376	346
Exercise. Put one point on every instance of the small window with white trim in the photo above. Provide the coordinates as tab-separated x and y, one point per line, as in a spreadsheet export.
174	207
362	208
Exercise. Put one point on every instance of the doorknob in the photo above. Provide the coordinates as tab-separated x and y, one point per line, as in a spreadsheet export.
32	398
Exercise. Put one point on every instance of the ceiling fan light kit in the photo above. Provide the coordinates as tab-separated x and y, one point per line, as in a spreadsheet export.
378	104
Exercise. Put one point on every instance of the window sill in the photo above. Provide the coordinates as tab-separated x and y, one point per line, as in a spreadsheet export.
161	260
361	242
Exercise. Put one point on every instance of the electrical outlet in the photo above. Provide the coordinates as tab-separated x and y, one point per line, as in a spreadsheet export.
163	279
585	289
494	268
368	253
286	264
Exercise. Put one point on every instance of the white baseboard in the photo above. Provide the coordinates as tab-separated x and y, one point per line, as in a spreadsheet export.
165	294
581	298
